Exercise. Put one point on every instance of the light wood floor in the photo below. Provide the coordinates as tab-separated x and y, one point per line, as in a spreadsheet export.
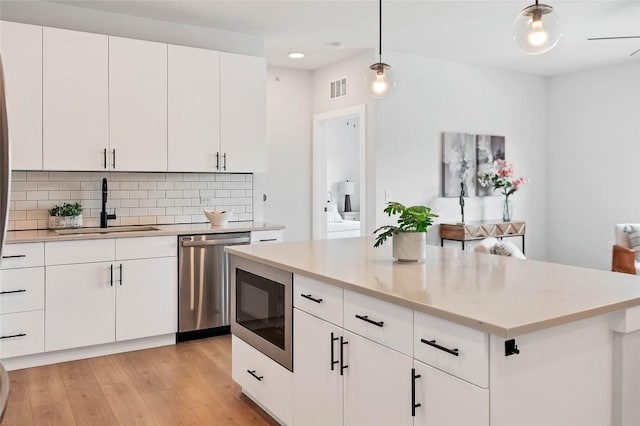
185	384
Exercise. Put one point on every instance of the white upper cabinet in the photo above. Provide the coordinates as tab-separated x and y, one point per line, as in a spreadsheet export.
194	110
137	105
75	100
21	50
243	113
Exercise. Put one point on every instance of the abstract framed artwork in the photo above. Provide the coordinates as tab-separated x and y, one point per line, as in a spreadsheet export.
463	156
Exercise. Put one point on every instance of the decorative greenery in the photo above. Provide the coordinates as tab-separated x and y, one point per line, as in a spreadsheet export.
66	210
414	218
500	176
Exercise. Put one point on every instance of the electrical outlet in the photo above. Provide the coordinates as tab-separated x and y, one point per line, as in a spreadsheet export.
206	200
387	195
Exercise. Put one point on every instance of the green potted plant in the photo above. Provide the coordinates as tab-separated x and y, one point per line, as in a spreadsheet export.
65	216
410	236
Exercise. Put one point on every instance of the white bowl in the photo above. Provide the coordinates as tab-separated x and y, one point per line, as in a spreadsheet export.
218	218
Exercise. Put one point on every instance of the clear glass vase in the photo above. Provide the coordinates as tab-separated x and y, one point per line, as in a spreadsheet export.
507	210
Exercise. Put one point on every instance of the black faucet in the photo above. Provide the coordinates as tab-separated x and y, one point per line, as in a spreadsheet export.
103	214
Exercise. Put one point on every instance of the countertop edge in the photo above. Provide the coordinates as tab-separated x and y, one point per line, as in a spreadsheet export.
13	237
494	329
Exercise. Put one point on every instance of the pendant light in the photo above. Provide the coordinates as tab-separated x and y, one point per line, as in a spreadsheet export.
380	79
537	29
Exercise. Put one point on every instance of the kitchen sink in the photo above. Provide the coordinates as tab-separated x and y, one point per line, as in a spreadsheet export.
105	230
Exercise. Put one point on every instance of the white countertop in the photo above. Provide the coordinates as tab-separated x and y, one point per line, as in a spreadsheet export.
182	229
500	295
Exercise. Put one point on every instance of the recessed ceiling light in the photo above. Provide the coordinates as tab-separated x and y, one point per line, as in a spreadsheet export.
296	55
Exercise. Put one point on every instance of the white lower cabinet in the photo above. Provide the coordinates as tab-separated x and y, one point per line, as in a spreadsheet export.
317	383
21	333
264	380
146	298
377	386
446	400
80	304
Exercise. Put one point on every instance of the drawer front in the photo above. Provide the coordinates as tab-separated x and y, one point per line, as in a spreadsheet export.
146	247
25	255
21	290
318	298
471	346
80	251
22	333
265	380
388	324
273	236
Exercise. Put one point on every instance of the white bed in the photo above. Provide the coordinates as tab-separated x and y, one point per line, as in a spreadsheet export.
344	229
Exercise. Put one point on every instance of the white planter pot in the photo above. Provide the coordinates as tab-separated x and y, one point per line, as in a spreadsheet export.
410	246
62	222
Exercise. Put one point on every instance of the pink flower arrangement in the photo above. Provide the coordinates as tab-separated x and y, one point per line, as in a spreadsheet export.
501	177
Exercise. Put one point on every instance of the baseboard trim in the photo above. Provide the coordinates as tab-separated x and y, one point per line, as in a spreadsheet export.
46	358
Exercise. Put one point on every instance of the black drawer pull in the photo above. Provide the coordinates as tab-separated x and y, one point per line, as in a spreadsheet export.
308	296
333	339
22	290
268	239
13	335
342	365
370	321
433	343
15	256
414	376
253	373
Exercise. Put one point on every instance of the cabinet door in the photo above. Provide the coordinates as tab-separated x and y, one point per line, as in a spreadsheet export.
75	100
317	383
21	48
243	113
146	297
446	400
377	384
137	105
193	109
80	306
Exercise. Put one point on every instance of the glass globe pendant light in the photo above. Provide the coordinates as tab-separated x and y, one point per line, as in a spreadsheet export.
537	29
380	79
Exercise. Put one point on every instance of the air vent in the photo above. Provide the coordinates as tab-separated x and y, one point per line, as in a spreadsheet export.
339	88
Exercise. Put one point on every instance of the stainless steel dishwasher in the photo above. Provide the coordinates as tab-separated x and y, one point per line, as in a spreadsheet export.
203	295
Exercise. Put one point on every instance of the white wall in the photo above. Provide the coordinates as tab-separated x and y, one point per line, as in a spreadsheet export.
96	21
287	184
343	159
593	162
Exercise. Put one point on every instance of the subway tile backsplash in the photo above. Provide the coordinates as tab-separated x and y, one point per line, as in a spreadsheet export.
138	198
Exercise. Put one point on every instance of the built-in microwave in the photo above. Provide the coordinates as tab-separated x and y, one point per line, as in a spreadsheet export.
262	309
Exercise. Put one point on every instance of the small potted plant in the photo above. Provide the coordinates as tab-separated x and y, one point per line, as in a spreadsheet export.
65	216
410	236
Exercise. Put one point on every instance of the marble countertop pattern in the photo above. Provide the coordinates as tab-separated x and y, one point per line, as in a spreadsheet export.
496	294
41	235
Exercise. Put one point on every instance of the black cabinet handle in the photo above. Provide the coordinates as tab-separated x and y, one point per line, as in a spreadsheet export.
414	376
433	343
310	297
113	166
224	161
121	274
111	275
370	321
104	153
13	335
253	373
15	256
268	239
217	161
22	290
342	366
333	339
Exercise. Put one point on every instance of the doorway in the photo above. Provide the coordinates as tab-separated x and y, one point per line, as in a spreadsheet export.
339	173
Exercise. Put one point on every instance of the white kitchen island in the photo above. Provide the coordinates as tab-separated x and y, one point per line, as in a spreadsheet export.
463	338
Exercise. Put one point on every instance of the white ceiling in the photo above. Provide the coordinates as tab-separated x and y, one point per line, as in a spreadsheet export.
472	31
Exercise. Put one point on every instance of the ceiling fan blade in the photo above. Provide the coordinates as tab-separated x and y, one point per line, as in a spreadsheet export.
635	52
613	38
